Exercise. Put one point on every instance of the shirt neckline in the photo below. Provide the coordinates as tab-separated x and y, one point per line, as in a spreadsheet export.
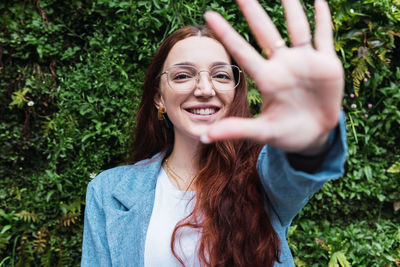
166	182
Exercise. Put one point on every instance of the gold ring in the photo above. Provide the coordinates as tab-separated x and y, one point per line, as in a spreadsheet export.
278	44
268	52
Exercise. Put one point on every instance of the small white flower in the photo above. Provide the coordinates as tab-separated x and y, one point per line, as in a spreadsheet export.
30	103
92	175
351	10
393	9
353	106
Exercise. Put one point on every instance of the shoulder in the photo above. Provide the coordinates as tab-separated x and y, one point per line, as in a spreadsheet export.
121	182
114	175
110	177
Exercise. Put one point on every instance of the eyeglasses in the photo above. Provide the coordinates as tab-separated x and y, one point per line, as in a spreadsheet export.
183	78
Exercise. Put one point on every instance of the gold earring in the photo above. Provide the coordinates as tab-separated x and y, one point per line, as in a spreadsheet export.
160	113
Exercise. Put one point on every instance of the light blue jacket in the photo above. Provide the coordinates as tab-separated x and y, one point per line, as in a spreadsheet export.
119	203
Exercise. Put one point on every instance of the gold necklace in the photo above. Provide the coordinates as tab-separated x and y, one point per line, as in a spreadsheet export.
171	173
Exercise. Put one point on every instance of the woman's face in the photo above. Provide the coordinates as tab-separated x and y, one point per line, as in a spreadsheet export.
191	112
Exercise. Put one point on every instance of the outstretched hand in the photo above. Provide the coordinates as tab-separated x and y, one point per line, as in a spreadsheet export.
301	86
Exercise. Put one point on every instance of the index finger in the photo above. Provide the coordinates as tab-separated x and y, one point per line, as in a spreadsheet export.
243	52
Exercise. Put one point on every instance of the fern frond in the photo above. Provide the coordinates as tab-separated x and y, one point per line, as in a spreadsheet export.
40	241
254	97
27	216
339	44
62	259
71	213
369	58
70	218
382	56
358	74
48	125
24	248
45	260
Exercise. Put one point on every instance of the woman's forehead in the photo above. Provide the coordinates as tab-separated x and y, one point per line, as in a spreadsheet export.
200	51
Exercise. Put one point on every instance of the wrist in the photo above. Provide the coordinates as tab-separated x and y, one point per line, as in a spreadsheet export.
320	145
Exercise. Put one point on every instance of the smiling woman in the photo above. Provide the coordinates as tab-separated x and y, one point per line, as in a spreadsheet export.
190	97
208	185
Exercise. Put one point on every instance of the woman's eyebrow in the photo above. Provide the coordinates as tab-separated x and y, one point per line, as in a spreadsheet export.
219	63
186	63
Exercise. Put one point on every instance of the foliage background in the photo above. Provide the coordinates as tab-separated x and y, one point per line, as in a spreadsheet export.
70	78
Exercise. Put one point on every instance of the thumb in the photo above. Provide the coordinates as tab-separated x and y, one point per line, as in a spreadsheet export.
237	128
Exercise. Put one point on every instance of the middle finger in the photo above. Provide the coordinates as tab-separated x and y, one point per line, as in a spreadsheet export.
267	35
298	27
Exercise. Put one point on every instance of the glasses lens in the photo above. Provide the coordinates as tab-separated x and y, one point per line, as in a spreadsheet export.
225	77
182	78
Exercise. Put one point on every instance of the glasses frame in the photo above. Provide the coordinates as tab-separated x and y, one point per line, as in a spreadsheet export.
197	77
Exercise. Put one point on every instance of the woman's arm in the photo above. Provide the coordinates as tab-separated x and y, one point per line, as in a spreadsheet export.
288	189
95	250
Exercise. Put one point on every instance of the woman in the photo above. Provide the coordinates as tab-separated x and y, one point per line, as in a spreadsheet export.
203	189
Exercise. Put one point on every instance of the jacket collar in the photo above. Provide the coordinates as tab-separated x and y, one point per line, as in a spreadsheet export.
138	184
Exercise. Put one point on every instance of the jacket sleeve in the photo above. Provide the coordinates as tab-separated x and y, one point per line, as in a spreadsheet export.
95	250
287	189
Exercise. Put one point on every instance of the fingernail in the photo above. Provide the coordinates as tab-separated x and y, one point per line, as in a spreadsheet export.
206	14
205	139
209	14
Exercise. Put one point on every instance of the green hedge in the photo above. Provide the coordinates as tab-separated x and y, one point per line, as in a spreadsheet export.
70	78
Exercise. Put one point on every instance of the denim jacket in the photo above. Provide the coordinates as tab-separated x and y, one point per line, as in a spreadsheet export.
119	203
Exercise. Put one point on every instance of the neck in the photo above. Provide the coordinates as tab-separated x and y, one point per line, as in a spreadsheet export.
184	160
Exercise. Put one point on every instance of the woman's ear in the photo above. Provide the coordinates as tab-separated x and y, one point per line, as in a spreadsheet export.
158	101
161	110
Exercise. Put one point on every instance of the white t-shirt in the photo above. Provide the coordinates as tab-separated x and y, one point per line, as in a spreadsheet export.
170	206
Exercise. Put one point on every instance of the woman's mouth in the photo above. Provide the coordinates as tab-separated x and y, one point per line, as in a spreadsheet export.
203	111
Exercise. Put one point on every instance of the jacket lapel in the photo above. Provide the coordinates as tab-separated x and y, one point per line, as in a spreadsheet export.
127	226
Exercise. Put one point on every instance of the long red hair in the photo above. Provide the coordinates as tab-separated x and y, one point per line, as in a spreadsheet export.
229	208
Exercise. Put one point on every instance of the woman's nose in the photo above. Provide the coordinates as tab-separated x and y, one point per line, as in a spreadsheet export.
204	86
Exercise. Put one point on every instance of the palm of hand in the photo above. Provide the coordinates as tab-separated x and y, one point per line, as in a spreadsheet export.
301	98
301	88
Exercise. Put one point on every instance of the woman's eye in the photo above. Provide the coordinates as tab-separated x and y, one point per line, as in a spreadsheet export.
222	76
182	76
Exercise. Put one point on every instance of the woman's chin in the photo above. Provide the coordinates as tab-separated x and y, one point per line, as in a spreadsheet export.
194	133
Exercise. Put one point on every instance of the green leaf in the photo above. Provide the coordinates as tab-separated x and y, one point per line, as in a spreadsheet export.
5	228
368	172
19	98
395	168
338	259
49	194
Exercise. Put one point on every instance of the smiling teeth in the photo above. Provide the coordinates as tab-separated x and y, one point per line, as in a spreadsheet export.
203	111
